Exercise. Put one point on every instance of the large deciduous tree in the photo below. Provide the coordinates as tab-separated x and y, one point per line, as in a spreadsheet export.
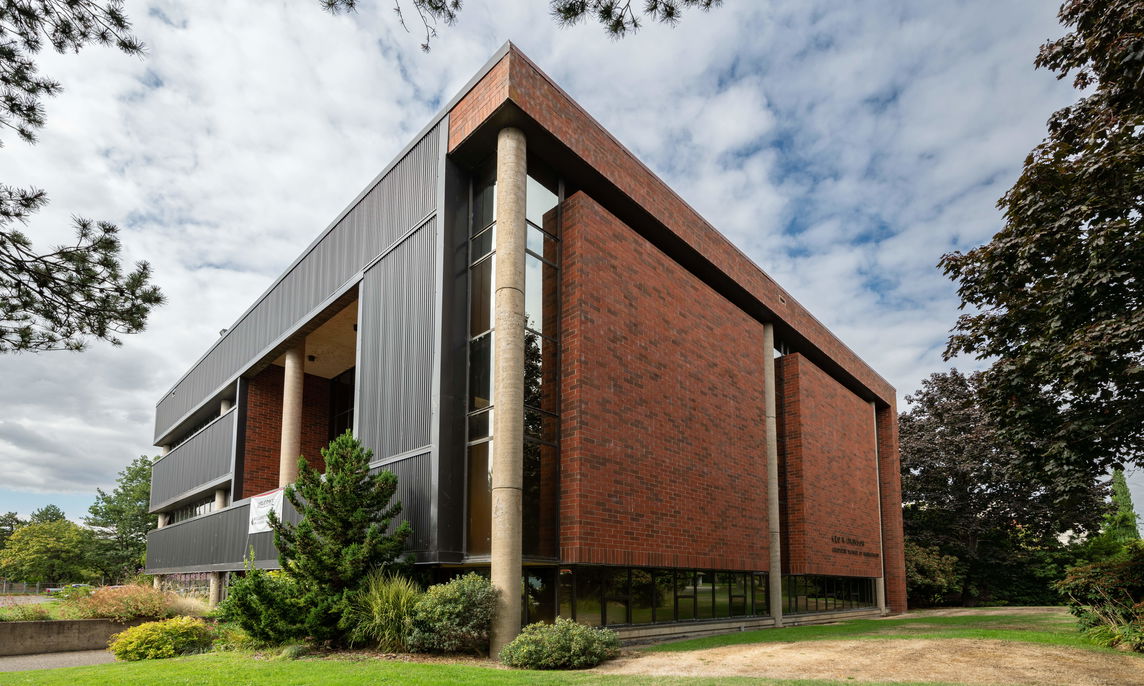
59	299
120	520
52	552
966	493
1056	298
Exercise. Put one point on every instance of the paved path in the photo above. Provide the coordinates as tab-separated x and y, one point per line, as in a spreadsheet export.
76	658
24	599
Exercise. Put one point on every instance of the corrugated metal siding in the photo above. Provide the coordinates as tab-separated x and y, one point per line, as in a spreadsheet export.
413	484
392	207
396	321
219	538
202	459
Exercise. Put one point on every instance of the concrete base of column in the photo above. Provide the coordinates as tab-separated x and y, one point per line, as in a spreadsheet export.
157	582
215	592
880	592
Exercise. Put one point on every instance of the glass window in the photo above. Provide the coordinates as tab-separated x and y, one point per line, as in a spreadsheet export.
542	245
481	296
704	595
539	595
540	284
483	244
589	590
564	592
685	595
479	424
643	596
538	501
480	499
739	588
664	599
759	581
617	594
480	372
540	201
540	425
484	199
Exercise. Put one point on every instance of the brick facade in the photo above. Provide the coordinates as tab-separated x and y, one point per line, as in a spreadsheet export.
663	458
829	474
891	475
264	427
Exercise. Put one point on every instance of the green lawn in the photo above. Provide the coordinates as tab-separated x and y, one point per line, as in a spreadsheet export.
1049	628
231	669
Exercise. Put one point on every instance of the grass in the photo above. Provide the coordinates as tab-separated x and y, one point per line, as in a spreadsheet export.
239	669
1049	628
10	612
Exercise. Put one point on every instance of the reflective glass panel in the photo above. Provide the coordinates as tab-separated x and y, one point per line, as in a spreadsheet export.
643	596
589	590
484	199
481	296
565	592
480	372
540	283
483	244
664	590
760	593
704	599
540	425
480	499
539	595
538	501
479	425
540	201
685	594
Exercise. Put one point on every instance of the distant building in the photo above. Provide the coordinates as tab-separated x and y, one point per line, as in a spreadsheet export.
635	348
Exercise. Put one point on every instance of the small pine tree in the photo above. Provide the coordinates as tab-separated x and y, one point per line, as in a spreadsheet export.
341	536
1121	524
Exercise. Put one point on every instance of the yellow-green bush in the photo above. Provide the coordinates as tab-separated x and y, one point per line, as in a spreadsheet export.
564	644
168	638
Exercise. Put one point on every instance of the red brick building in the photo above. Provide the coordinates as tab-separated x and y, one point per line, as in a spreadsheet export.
577	380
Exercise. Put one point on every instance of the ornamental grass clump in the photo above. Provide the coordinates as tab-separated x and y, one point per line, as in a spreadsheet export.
381	614
121	604
454	617
564	644
157	640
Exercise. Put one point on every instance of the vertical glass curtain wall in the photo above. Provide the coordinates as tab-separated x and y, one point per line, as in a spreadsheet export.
541	364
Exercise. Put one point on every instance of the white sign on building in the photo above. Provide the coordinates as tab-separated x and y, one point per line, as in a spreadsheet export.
260	507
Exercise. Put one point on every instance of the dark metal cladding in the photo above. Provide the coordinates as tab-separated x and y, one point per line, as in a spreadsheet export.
413	484
203	460
396	339
400	200
213	542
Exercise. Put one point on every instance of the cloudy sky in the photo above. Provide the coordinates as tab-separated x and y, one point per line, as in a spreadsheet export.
844	146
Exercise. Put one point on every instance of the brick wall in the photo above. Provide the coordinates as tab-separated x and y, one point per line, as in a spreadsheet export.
829	474
891	474
517	79
264	427
662	428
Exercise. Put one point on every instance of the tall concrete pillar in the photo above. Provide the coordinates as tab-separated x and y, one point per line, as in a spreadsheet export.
292	384
225	406
508	386
157	582
215	592
219	498
774	573
880	582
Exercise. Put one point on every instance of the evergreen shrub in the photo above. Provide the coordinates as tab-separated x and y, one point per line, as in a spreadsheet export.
266	605
563	645
1108	599
454	617
156	640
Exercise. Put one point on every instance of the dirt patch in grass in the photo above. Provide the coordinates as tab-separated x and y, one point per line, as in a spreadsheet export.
963	661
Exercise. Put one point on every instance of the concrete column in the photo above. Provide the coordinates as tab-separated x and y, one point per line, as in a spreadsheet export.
880	582
162	520
219	498
292	383
157	582
774	574
225	406
508	386
164	450
215	593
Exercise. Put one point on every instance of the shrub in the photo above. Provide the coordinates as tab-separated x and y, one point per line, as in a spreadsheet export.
1108	598
24	613
382	612
155	640
454	616
563	645
73	593
266	605
121	604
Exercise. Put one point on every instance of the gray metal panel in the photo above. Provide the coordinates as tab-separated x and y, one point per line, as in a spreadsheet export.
397	331
397	202
414	483
204	458
214	541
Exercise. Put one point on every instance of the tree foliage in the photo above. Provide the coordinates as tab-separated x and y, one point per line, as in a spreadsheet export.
341	536
47	514
49	552
56	300
9	522
965	492
618	17
1056	297
120	520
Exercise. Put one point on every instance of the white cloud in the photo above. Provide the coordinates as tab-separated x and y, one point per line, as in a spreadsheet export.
844	147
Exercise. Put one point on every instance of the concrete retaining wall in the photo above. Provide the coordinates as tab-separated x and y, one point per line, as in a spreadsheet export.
57	636
652	633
